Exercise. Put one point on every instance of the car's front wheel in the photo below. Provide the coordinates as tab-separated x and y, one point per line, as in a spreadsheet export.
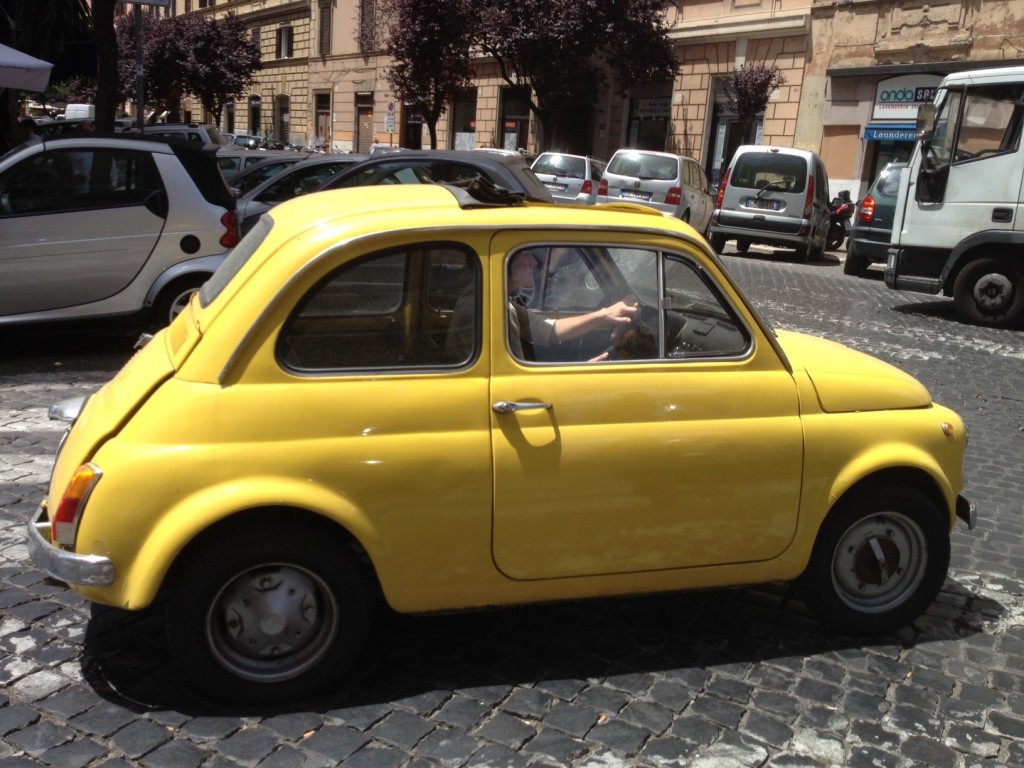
268	612
879	561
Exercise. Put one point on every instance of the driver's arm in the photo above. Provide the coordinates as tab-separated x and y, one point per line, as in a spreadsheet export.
573	326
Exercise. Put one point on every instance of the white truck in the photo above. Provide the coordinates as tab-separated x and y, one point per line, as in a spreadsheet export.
958	228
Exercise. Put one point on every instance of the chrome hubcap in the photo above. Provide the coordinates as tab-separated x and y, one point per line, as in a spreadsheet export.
272	623
879	562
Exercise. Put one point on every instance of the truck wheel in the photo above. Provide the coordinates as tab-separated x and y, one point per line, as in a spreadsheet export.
989	291
267	613
879	561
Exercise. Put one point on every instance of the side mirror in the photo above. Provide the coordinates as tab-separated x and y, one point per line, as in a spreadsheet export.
925	122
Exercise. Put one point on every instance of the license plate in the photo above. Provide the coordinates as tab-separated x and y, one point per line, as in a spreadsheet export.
764	205
635	195
556	187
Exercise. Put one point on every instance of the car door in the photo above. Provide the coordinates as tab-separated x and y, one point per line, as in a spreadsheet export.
689	457
76	226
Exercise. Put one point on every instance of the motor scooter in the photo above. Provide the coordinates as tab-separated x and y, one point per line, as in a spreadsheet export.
840	214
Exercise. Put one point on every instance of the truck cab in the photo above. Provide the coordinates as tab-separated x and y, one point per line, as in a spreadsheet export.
957	227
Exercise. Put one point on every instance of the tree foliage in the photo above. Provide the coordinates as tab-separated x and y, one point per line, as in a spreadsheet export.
429	44
749	88
215	59
563	48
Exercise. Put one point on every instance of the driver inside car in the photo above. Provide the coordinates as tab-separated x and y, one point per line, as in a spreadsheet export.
529	328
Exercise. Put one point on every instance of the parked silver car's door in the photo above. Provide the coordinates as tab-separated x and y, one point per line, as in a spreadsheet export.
76	226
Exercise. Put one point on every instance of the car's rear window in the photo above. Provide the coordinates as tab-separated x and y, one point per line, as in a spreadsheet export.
561	165
888	184
756	170
644	166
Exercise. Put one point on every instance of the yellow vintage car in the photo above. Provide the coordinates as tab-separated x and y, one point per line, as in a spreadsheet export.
457	400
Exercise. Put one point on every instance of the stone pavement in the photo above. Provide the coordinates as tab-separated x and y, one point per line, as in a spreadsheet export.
724	679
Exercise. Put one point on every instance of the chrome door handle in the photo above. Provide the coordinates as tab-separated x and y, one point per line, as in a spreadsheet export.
506	406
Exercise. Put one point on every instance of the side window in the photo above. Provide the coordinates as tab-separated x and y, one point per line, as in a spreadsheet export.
81	179
393	310
991	121
585	303
698	321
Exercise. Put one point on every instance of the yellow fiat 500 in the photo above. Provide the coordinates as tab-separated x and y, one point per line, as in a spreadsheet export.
457	402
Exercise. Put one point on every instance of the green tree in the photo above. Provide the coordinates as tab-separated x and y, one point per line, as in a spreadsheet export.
429	44
748	90
562	48
215	59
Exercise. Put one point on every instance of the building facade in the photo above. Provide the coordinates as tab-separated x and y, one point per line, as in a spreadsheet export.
854	72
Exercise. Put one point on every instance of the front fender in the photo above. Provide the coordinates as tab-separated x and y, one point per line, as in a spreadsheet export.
965	250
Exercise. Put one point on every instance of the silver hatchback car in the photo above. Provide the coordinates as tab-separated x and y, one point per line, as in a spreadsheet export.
99	226
674	184
573	179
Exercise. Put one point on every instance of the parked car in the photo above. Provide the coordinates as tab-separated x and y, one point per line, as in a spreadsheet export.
298	179
776	196
98	225
55	128
349	409
200	133
571	178
673	184
504	170
247	180
233	160
871	228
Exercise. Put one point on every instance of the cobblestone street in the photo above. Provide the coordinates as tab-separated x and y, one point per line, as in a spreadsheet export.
723	679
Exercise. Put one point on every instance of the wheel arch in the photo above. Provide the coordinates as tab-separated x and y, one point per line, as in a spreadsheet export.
907	476
218	511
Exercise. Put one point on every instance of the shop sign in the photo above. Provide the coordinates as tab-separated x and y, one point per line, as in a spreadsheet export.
897	98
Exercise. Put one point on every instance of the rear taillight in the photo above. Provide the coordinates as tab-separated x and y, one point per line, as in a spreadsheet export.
69	511
230	237
588	187
602	188
721	189
809	202
673	196
866	213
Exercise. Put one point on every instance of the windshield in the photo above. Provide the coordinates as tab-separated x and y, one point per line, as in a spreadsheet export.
775	171
644	166
561	165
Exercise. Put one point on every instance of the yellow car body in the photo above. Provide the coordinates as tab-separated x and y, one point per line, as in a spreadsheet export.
485	479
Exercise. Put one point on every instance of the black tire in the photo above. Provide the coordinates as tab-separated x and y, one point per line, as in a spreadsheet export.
836	236
803	252
717	242
234	600
817	252
990	292
742	246
855	264
174	298
887	527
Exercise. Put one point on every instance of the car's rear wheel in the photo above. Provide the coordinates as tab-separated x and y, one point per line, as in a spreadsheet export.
717	241
742	245
855	264
990	291
174	298
267	613
880	559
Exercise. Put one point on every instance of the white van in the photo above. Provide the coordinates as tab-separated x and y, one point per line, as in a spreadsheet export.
958	228
80	112
773	195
